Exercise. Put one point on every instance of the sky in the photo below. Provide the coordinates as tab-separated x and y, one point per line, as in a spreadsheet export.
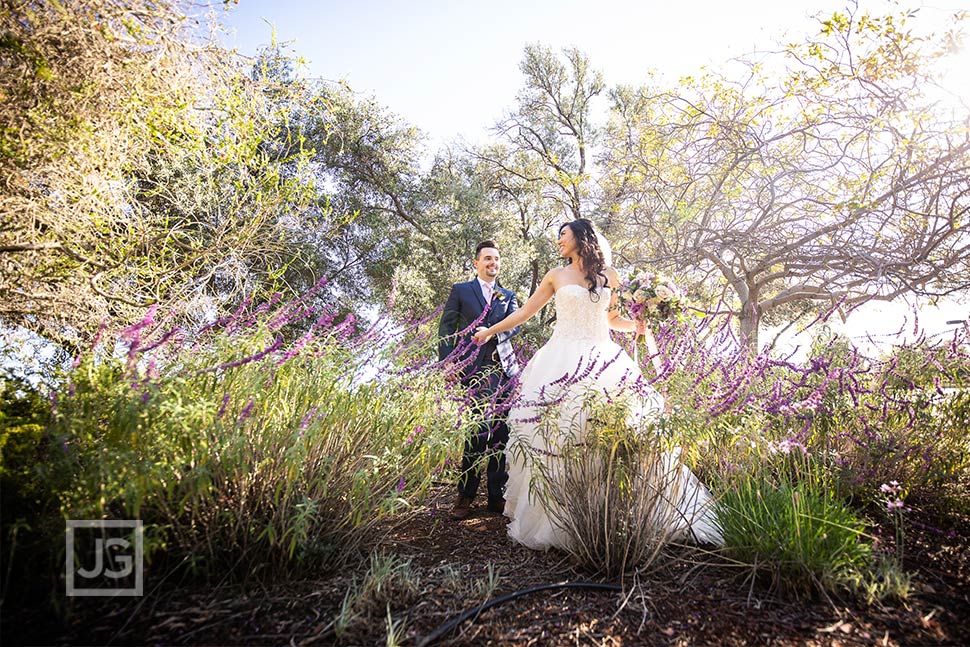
450	67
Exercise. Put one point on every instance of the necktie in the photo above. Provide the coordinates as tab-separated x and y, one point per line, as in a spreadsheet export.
487	292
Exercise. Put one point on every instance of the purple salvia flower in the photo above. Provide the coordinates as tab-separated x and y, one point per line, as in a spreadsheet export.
245	360
308	418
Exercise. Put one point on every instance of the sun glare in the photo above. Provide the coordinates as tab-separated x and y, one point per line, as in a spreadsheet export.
953	69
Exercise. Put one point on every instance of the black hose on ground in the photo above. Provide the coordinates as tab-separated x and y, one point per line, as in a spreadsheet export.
451	624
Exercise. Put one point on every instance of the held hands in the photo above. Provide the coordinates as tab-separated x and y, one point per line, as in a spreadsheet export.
480	337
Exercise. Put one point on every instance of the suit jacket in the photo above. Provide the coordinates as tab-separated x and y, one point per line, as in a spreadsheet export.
464	306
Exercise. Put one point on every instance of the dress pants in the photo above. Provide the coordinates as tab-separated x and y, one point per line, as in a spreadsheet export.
485	446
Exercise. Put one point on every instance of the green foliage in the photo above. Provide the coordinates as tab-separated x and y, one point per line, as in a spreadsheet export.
388	582
25	448
783	521
896	423
28	495
268	466
23	415
145	168
866	421
887	580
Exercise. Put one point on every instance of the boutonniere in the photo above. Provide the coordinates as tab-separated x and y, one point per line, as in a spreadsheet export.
497	295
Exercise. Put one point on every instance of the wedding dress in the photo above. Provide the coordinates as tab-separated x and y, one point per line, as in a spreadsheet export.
578	360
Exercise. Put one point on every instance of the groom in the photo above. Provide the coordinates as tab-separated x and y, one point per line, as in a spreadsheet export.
484	369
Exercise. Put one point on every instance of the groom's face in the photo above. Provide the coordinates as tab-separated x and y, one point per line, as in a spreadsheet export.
487	264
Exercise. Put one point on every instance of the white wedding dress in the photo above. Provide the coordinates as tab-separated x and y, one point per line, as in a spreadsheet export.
578	360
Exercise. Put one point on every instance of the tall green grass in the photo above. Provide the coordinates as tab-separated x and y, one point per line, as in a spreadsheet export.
782	520
612	485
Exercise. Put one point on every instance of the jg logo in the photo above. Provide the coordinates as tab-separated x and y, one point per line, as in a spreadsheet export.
101	558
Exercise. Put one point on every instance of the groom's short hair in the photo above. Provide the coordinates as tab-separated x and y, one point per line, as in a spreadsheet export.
482	245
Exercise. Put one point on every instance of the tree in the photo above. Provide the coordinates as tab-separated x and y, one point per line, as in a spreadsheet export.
368	161
826	178
523	212
549	137
136	169
412	231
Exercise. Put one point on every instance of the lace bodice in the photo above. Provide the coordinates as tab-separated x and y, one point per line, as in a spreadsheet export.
580	317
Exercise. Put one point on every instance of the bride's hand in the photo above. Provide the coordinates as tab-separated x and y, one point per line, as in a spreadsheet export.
480	337
641	327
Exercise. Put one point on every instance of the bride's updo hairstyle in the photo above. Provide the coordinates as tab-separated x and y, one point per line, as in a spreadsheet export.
590	253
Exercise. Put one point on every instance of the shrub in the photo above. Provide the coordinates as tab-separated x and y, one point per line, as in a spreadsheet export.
618	492
28	498
782	520
865	420
248	454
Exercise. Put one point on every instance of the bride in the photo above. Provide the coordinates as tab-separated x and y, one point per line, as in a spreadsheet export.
578	359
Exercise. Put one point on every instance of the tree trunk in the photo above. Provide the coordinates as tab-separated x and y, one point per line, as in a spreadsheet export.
749	319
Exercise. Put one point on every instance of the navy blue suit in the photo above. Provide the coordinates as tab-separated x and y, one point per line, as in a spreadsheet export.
485	370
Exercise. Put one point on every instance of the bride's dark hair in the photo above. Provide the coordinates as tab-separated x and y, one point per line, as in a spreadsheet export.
588	248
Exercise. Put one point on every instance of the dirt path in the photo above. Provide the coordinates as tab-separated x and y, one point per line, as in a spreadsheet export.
435	568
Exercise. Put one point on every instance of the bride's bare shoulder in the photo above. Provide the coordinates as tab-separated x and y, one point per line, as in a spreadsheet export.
612	278
554	277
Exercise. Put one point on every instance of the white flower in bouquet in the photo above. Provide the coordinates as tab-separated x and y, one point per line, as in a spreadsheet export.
664	293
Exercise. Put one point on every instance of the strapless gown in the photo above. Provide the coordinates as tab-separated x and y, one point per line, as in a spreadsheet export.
580	360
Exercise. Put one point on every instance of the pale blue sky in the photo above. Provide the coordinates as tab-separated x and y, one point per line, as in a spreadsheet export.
450	67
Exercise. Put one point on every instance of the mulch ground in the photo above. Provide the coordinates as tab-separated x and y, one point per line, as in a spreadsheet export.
444	567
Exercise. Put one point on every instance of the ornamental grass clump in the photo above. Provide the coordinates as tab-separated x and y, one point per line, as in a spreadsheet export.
612	487
782	521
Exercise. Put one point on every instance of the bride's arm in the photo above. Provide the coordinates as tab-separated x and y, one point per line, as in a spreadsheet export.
616	320
538	299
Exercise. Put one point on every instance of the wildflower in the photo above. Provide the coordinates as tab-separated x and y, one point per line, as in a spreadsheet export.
892	487
786	446
307	419
400	484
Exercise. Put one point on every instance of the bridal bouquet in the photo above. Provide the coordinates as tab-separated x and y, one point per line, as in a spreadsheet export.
651	297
